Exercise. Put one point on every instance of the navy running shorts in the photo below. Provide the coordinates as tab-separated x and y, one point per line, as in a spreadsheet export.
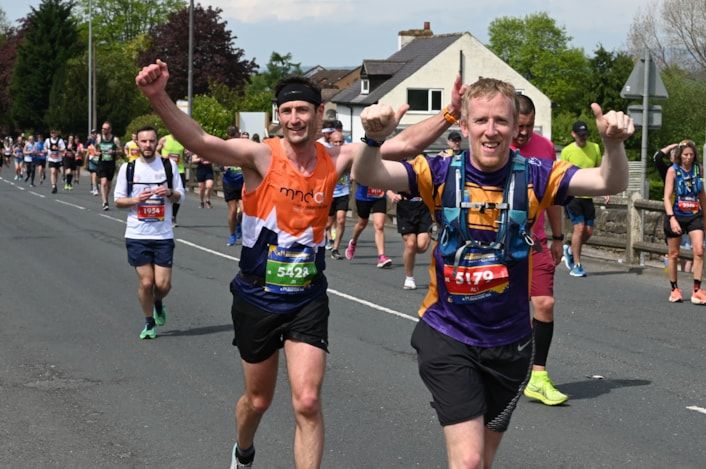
232	191
150	251
581	211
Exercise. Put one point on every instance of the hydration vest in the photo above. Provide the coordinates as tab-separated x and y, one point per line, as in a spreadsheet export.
130	174
688	184
513	239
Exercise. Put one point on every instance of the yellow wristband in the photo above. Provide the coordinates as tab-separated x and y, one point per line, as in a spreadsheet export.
448	117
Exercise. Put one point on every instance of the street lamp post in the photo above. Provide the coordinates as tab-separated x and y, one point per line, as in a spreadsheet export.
90	68
190	85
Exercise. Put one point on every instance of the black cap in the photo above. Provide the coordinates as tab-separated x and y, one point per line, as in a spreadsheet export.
455	136
580	128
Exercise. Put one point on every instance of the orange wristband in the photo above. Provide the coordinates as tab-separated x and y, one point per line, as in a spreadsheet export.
448	117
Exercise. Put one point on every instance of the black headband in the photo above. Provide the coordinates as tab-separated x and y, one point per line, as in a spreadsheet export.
298	92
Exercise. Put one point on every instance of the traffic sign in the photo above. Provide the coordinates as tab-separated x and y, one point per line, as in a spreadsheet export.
654	116
634	88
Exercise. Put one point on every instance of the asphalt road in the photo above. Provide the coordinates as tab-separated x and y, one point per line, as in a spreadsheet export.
78	389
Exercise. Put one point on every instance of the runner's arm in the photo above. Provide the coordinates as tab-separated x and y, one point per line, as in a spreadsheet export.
152	81
611	176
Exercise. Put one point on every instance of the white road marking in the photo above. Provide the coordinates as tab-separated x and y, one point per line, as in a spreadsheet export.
210	251
38	194
330	290
697	409
111	218
70	204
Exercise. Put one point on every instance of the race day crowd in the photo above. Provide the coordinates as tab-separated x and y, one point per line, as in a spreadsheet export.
482	210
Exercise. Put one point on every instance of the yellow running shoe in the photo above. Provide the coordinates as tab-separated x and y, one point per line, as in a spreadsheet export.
541	388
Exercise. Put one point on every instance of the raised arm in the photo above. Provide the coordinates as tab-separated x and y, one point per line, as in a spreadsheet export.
416	138
369	169
152	81
611	176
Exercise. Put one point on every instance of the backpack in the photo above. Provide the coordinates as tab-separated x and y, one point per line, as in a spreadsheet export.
130	174
513	239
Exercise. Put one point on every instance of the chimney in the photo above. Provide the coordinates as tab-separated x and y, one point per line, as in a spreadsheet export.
405	37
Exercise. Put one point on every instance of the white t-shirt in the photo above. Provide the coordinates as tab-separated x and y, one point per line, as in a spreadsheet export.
57	155
153	219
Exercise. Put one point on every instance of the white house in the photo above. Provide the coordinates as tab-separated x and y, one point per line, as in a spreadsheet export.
422	73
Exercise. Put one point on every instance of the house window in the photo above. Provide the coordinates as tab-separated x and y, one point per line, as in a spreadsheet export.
275	114
364	86
424	100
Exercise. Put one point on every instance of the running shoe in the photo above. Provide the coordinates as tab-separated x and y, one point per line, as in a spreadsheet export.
202	205
698	297
675	296
53	190
66	187
160	319
577	271
568	257
235	463
150	333
329	244
208	204
350	250
384	261
541	388
409	283
232	239
105	206
336	255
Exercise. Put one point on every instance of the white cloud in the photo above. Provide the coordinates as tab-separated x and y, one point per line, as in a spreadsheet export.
254	11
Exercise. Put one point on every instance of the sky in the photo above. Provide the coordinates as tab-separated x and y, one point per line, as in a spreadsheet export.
338	33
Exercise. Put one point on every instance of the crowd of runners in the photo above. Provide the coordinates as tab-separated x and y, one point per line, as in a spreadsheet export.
288	198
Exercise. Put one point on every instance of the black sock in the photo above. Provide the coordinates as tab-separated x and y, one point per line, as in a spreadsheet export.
697	284
245	456
149	322
158	306
69	178
543	333
674	285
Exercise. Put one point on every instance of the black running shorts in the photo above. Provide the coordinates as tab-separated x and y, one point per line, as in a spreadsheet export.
365	208
339	204
412	217
466	382
259	333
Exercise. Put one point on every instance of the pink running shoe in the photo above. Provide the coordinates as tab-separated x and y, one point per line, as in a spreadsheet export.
384	261
350	250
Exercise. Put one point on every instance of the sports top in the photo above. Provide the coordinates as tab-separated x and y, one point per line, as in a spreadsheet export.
284	220
499	314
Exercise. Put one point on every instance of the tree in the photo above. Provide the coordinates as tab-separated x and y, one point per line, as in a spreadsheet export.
539	50
258	94
8	57
675	36
50	40
609	72
118	21
215	57
5	26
